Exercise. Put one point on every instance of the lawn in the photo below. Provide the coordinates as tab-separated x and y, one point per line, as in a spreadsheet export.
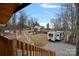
39	39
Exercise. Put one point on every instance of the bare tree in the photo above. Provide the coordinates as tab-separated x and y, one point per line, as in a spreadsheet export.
14	23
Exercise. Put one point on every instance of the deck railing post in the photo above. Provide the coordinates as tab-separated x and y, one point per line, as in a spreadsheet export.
23	49
28	50
34	51
14	47
26	47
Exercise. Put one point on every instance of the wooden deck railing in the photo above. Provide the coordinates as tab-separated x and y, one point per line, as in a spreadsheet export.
33	50
7	46
10	47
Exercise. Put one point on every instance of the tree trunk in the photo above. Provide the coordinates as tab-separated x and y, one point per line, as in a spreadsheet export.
77	41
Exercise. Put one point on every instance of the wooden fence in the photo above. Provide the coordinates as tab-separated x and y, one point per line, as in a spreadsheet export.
10	47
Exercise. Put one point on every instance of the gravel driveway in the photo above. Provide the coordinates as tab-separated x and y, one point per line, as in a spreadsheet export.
61	49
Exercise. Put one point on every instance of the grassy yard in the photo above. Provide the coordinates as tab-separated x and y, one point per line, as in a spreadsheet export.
39	39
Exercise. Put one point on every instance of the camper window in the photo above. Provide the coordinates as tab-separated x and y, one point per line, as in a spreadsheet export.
51	35
57	35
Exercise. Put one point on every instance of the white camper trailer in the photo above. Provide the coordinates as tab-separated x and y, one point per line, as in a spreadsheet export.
55	35
51	36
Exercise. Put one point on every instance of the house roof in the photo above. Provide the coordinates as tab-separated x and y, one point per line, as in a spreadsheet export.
7	9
